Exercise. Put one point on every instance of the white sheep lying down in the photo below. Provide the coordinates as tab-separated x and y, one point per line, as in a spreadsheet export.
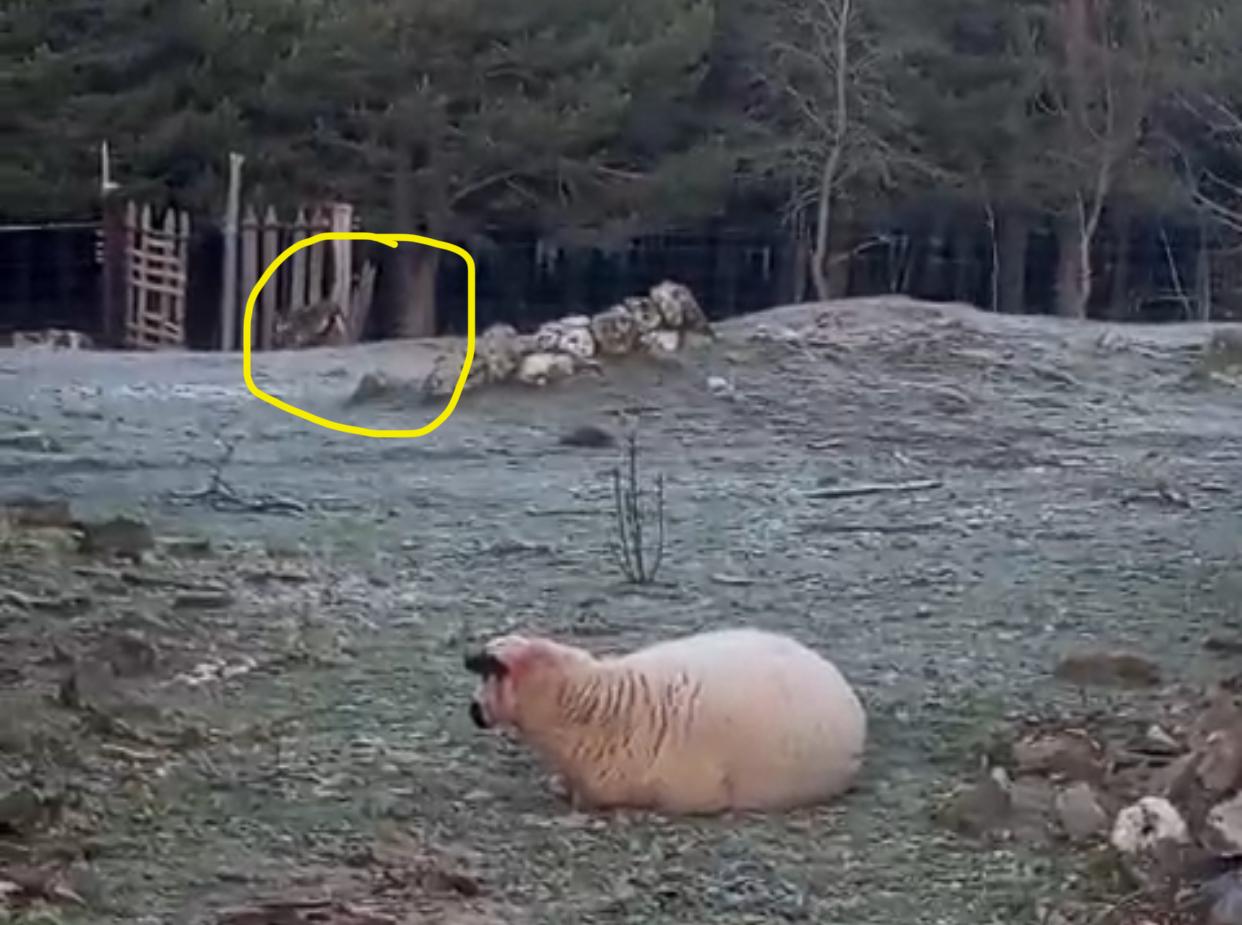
732	719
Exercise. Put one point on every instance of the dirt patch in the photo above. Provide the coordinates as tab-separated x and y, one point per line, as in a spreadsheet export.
276	679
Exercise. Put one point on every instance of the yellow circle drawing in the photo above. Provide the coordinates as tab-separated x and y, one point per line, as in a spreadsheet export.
391	240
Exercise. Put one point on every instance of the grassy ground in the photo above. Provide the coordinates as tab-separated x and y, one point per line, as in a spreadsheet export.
1087	492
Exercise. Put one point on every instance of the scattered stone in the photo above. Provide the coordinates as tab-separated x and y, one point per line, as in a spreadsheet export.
979	809
1069	754
1220	763
1150	835
588	436
1222	833
125	537
1031	801
21	810
1079	811
1108	669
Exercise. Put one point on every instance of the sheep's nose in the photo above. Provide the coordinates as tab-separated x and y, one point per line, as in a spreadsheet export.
476	715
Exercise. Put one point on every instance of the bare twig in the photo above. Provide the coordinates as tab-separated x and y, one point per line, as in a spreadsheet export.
853	491
628	547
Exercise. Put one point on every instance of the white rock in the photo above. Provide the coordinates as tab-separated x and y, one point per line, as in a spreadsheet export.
548	337
646	315
1142	826
577	341
540	368
679	308
442	379
672	312
615	331
1223	828
500	349
662	341
719	386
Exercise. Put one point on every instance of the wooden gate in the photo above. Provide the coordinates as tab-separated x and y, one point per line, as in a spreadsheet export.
145	266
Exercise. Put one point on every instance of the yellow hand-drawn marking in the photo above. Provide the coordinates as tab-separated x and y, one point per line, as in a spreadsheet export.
391	240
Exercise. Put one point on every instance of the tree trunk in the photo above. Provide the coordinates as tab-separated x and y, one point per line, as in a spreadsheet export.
1073	266
840	244
1119	297
412	270
824	226
1014	238
415	294
1203	274
965	271
934	282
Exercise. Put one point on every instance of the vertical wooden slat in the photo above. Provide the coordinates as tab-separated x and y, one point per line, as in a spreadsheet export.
228	282
297	287
114	272
249	258
183	261
269	297
165	320
342	217
141	296
316	288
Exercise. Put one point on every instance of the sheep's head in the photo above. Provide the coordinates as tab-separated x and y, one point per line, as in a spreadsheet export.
520	677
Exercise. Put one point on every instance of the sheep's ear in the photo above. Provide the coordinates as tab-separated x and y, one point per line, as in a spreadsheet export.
485	665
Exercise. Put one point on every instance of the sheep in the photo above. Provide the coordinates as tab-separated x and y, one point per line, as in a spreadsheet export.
726	720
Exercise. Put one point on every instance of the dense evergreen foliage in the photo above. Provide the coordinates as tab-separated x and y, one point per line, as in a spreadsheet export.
601	118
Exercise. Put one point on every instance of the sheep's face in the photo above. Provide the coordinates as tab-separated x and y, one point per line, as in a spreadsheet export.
519	678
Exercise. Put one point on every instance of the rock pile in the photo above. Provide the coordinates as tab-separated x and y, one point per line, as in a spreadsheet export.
657	323
1163	798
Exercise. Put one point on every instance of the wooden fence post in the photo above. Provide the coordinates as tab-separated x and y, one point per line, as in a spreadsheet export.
249	261
315	290
115	271
342	218
297	287
228	283
269	297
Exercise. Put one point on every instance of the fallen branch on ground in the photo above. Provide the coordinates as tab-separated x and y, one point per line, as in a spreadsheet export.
221	496
853	491
920	527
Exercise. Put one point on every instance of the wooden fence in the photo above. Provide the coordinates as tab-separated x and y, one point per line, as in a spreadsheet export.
146	265
317	275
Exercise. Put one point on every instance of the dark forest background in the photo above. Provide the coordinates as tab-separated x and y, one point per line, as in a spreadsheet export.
1079	157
